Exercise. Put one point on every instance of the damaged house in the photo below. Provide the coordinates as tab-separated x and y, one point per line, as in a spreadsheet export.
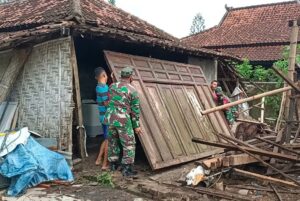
48	53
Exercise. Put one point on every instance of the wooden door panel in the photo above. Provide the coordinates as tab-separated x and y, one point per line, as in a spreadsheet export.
172	98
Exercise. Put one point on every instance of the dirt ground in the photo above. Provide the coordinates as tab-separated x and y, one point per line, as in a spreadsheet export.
165	185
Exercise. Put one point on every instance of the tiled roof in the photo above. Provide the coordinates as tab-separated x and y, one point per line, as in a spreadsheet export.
28	13
256	53
247	26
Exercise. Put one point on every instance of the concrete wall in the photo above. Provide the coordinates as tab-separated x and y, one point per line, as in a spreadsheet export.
209	67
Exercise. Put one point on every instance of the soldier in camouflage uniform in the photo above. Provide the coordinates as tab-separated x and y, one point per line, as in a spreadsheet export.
122	116
230	113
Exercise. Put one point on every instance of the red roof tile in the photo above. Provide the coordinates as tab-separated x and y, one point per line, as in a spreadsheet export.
256	53
31	12
255	25
250	25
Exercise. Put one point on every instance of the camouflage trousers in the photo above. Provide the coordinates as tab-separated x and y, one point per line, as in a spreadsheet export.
121	138
230	115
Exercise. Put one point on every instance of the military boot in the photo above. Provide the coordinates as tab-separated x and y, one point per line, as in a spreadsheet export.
113	166
127	171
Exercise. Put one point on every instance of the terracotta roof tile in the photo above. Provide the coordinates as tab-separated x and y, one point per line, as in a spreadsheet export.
250	25
256	53
28	12
241	28
31	12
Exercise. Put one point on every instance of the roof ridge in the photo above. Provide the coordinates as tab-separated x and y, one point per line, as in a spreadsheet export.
76	9
263	5
192	35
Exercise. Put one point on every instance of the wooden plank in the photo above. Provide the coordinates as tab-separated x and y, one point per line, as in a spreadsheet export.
159	143
251	150
276	149
242	159
230	140
263	178
276	192
166	123
278	145
81	137
15	66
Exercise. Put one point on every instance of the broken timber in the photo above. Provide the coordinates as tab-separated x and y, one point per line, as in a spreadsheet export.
263	178
231	141
249	149
258	96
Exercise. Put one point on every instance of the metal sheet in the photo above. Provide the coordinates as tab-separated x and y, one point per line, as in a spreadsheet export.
172	97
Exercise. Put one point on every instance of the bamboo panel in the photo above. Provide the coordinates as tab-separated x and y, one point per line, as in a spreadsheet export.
5	57
44	91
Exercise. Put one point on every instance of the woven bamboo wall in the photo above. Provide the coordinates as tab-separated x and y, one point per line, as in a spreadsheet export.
44	91
5	57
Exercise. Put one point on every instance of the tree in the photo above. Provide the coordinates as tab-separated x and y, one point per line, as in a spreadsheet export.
198	24
112	2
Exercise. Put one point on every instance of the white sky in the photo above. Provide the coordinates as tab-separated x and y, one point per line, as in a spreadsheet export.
176	16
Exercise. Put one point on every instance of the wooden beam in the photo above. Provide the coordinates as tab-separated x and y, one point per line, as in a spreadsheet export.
269	93
249	149
231	140
242	159
263	178
287	79
82	136
278	145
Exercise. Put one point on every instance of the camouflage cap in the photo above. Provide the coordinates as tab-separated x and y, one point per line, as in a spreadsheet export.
126	72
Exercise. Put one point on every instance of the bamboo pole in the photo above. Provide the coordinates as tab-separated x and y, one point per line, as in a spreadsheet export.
269	93
262	112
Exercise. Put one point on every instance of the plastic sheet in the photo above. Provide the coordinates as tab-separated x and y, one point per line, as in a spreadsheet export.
31	164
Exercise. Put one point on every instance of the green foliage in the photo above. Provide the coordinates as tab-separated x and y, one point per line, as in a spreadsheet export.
262	74
105	179
112	2
198	24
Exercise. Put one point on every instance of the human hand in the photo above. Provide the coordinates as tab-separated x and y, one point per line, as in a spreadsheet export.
138	130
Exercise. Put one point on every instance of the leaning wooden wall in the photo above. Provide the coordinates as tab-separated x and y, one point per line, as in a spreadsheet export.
44	92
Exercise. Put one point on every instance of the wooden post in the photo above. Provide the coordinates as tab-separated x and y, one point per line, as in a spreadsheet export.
290	104
81	137
262	111
269	93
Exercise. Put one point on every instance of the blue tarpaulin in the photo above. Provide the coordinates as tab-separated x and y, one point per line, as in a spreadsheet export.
31	164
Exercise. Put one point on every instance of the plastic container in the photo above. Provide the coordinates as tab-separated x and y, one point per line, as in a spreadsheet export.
91	118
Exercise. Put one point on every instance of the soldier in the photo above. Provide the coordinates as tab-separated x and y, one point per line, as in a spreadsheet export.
122	116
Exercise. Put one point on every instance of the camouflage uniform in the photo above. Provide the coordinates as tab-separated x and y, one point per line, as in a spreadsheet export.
230	113
122	116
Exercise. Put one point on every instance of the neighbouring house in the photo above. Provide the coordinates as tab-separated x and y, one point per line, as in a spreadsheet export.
258	33
49	50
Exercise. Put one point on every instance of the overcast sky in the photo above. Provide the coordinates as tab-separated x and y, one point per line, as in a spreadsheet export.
175	16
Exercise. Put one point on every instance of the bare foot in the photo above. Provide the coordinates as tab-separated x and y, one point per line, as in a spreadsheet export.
98	162
105	168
